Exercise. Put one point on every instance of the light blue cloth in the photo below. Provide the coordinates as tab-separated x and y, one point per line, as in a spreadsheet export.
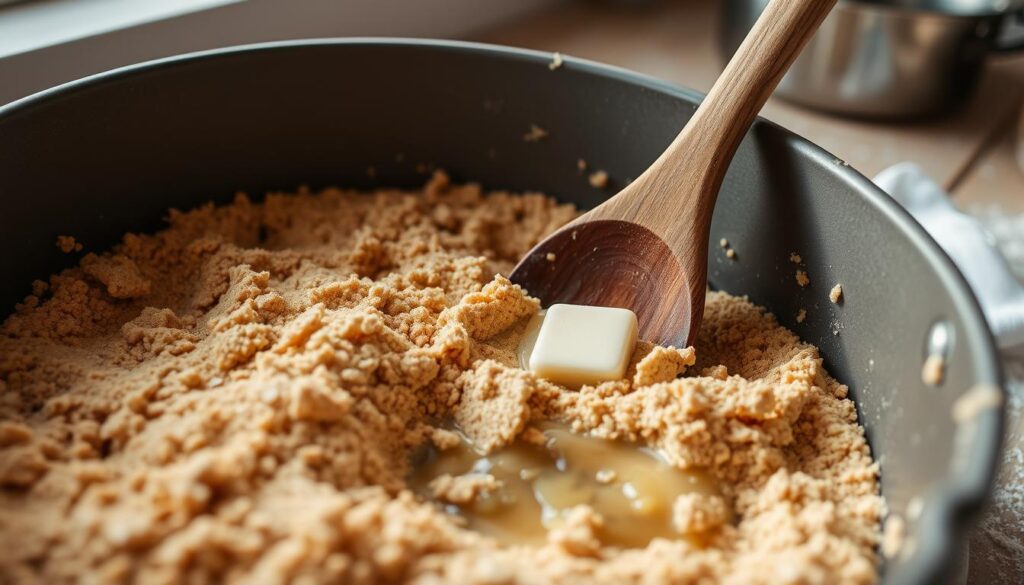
997	542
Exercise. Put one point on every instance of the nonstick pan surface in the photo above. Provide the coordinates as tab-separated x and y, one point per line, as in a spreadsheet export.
111	153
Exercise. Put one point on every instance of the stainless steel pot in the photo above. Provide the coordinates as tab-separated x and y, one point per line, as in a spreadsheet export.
888	58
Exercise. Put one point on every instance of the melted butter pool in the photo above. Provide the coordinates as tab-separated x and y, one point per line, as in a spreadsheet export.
631	487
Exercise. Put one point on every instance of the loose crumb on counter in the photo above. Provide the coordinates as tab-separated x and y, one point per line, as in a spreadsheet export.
801	316
802	279
723	243
556	61
795	258
536	134
68	244
934	370
836	294
599	179
550	256
581	165
730	254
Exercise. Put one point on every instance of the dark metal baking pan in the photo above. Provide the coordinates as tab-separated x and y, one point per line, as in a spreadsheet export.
110	153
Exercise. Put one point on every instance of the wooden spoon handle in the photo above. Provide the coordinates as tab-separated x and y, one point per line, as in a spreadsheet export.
676	195
749	79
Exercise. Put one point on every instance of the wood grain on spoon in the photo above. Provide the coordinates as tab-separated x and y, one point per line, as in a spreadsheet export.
646	248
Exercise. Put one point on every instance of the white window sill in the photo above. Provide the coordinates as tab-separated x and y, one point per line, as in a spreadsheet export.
47	42
27	26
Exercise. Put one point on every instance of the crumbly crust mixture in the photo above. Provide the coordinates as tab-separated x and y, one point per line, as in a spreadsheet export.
236	398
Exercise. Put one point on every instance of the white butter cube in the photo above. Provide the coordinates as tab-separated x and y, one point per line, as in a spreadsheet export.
580	345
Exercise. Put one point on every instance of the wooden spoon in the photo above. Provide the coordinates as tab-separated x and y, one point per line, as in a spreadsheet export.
646	248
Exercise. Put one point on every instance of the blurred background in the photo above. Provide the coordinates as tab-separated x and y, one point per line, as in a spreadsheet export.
937	83
940	82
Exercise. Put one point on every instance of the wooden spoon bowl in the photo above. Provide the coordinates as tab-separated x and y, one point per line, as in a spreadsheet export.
614	263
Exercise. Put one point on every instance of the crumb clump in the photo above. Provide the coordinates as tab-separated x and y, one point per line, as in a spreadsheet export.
730	253
463	488
802	279
535	134
976	401
237	398
933	372
556	61
836	294
578	534
661	364
598	179
699	513
801	316
893	535
119	274
795	258
68	244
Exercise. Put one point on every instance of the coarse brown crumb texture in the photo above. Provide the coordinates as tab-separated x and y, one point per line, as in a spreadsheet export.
536	134
802	279
236	398
836	294
68	244
598	179
934	370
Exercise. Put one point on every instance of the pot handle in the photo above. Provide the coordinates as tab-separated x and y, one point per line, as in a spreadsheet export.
1012	44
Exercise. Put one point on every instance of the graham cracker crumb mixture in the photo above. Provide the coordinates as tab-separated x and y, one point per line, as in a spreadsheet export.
236	399
836	294
68	244
802	279
536	134
934	370
893	535
598	179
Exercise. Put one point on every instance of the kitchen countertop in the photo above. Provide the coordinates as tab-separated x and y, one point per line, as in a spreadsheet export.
970	152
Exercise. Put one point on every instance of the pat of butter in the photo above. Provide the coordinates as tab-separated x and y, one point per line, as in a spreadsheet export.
580	345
